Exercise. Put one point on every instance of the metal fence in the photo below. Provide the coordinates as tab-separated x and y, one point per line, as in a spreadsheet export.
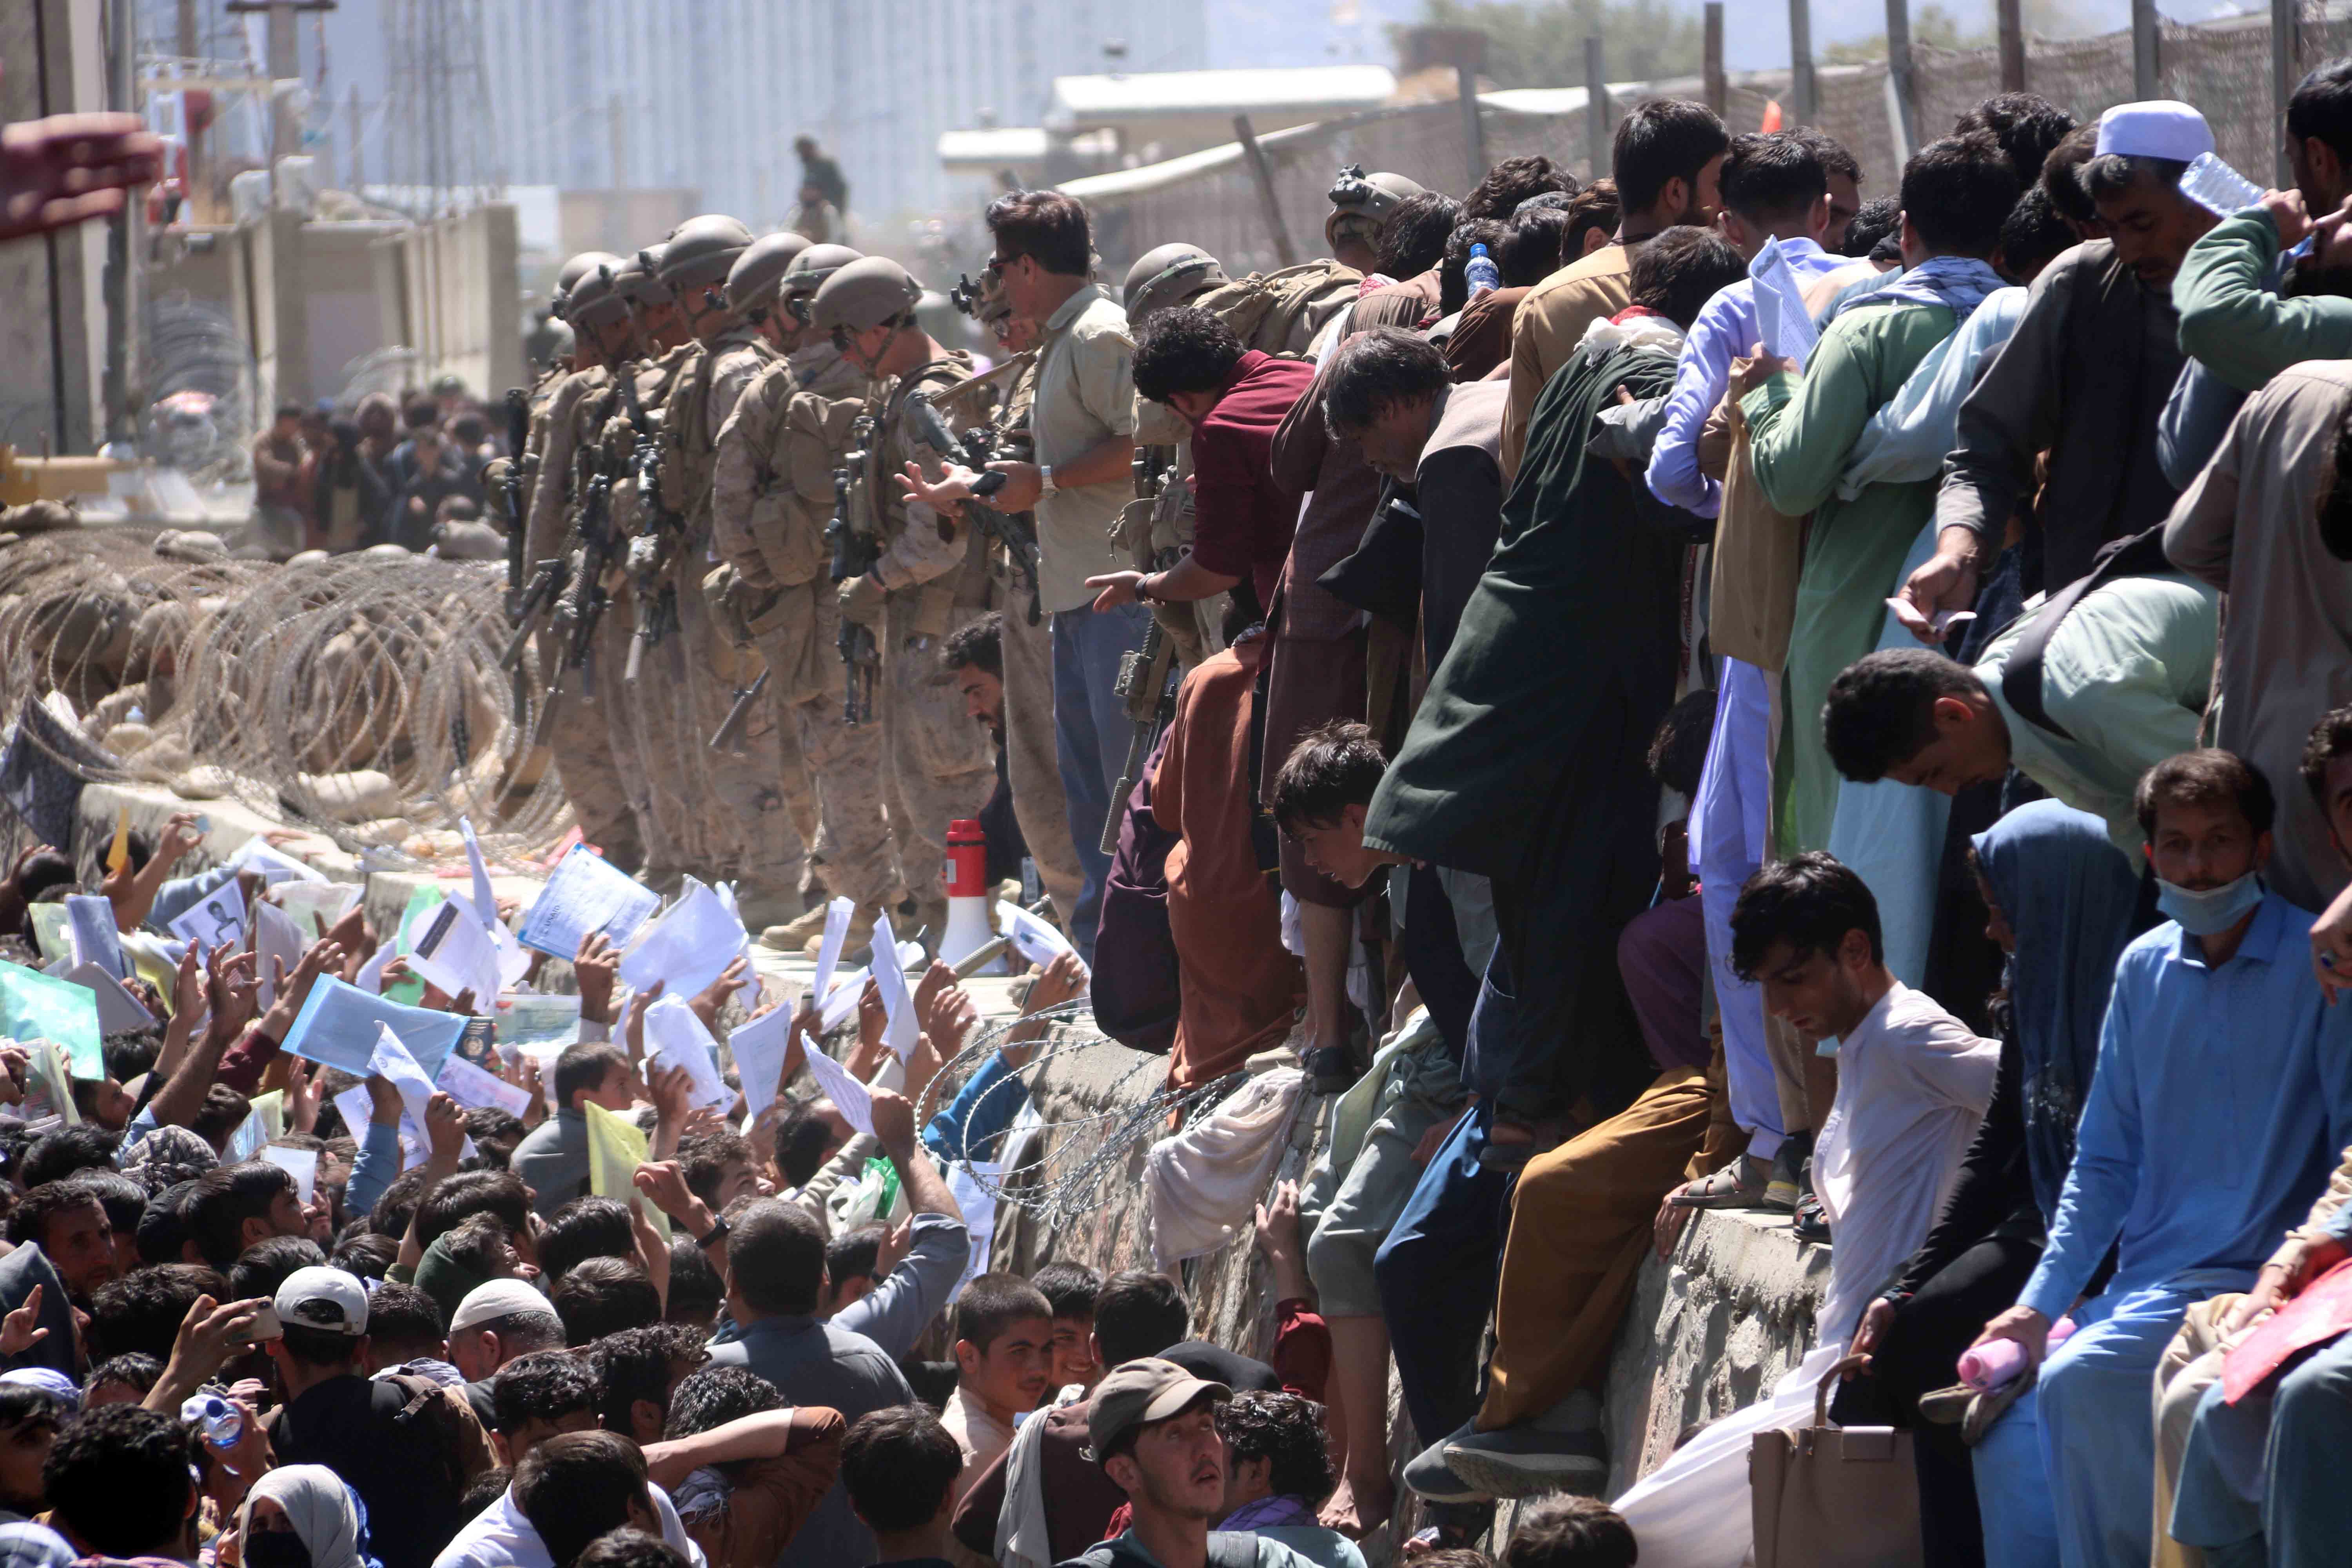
1212	199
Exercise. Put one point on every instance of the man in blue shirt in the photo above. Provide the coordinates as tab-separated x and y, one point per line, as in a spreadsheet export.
2224	1089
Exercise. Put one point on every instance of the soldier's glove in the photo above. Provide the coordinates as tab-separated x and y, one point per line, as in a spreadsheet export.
861	600
644	554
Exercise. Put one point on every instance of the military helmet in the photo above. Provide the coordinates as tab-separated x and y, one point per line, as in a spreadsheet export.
1170	275
637	281
808	272
700	250
580	268
752	281
1370	195
595	300
812	267
864	293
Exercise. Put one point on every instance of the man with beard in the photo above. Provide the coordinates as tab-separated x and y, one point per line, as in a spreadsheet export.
1152	1427
2077	391
2259	291
975	656
1666	158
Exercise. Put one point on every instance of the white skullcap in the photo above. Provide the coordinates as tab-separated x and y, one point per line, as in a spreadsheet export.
2160	128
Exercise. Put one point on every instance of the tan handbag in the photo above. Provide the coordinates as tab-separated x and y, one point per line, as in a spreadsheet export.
1834	1497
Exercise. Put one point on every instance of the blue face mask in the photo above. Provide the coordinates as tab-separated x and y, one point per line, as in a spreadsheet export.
2213	910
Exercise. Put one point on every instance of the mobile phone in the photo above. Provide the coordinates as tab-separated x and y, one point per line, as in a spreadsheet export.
266	1325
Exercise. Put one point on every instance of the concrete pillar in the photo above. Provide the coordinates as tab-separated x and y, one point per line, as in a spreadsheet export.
50	304
273	304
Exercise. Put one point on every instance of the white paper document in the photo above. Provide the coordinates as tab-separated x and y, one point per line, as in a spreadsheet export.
466	1084
302	1164
456	951
1781	319
391	1059
828	953
1033	937
849	1097
897	1004
761	1047
585	894
274	864
686	946
675	1038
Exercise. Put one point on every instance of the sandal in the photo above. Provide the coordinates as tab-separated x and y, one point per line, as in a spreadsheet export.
1738	1186
1811	1222
1452	1527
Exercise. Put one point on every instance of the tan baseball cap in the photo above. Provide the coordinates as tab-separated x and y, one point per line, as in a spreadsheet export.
1138	1392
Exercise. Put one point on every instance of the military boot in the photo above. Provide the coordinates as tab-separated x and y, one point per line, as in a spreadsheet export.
790	936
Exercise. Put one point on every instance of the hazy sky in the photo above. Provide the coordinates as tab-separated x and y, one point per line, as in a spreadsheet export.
1756	32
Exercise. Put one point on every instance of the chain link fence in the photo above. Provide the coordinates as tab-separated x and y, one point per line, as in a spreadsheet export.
1211	198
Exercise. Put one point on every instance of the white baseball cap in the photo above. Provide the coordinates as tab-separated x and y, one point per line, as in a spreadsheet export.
2157	127
324	1299
486	1303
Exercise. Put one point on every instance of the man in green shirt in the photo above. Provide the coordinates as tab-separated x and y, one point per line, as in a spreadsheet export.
1801	433
2124	678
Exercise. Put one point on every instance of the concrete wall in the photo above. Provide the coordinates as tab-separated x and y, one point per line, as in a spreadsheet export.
460	298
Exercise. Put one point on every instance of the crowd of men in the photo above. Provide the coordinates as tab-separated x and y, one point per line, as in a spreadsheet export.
396	471
1700	691
238	1327
1724	680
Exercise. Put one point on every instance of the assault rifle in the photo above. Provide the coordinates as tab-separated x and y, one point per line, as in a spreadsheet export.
855	552
978	447
655	595
582	599
731	732
509	486
1147	675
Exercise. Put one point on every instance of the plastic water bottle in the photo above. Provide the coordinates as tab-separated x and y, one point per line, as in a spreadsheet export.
1484	275
2217	187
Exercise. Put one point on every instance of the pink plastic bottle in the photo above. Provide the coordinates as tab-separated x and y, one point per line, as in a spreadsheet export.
1989	1366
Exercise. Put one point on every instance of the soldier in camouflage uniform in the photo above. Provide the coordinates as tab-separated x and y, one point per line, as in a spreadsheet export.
794	426
759	846
737	486
659	344
930	578
589	735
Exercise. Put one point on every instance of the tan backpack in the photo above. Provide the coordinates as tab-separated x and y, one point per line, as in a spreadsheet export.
1280	312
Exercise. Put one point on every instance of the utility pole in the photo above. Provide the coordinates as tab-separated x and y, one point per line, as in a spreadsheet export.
284	65
352	131
2286	50
1898	74
1712	57
1801	62
1473	127
121	236
1598	119
2145	68
2012	17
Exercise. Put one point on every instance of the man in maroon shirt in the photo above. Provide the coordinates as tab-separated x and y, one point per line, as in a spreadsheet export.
1235	400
